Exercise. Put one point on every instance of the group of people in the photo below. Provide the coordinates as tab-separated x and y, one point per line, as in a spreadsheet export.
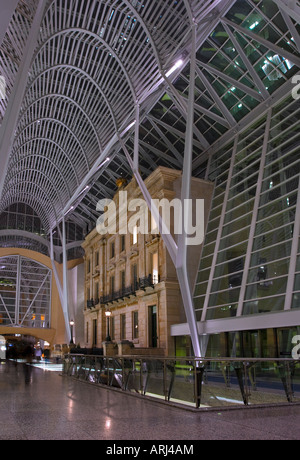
27	351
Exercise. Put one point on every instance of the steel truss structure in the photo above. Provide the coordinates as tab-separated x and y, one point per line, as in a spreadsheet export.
102	89
25	293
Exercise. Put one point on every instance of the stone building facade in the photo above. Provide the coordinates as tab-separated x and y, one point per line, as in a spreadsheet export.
132	275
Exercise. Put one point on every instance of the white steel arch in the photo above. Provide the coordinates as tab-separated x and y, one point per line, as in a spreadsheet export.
115	65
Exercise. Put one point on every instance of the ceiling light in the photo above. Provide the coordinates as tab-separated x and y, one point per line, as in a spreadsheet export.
176	66
128	128
253	25
84	190
103	163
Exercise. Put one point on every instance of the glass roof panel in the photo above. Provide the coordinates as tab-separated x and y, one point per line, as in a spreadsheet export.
95	60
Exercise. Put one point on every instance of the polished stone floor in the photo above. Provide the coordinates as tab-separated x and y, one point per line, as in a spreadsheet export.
44	405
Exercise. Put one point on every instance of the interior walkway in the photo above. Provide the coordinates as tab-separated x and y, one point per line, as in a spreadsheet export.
51	407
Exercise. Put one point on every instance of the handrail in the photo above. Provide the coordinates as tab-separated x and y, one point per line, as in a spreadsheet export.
192	358
126	291
193	382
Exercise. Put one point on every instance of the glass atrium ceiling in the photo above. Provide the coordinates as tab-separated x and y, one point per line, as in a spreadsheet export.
76	71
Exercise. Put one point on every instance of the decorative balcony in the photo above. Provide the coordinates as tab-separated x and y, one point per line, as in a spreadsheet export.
90	303
137	285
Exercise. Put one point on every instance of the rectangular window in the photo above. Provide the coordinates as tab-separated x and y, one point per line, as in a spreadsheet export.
152	319
94	332
155	268
135	235
96	293
112	250
112	328
97	258
135	325
112	284
135	275
123	327
122	280
122	243
154	227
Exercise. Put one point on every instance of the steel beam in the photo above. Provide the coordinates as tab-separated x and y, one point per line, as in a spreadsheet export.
18	284
178	253
6	310
220	231
254	215
291	7
8	8
269	45
246	61
181	257
65	283
292	29
293	259
35	297
167	237
10	120
57	280
212	70
226	113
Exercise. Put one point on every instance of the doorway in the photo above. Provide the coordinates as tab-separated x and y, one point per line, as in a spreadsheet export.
153	327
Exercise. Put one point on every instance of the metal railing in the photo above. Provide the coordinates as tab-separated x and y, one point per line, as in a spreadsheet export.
197	383
126	291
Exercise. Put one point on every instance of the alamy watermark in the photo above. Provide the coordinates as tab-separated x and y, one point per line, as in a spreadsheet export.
296	88
125	216
296	349
2	88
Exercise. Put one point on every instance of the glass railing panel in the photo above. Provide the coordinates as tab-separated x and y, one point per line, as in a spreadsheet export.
223	384
105	372
111	372
269	382
131	375
207	383
116	372
181	382
74	366
295	371
152	373
94	367
95	370
67	365
80	367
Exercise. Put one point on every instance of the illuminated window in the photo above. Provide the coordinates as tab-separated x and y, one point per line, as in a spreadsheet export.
154	227
155	268
135	235
135	325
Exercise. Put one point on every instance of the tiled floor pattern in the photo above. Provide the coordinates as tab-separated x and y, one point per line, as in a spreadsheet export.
48	406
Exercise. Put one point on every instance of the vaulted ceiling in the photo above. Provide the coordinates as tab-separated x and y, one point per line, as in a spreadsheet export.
77	73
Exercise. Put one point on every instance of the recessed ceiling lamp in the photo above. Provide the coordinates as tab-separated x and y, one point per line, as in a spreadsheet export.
176	66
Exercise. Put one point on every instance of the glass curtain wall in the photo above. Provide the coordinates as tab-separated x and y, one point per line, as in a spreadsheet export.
247	262
25	293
